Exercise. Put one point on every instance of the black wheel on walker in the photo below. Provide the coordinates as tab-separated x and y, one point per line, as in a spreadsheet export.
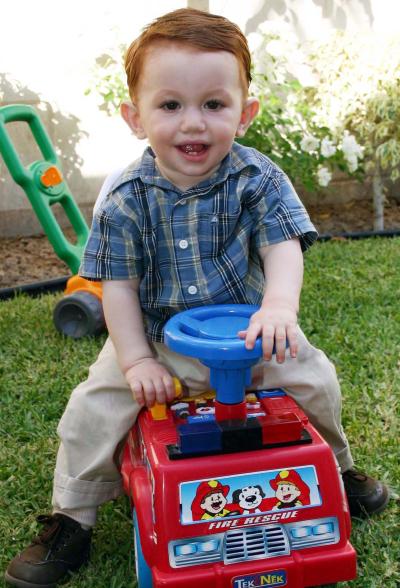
79	315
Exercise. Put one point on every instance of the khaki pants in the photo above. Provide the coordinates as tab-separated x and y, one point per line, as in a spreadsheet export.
101	411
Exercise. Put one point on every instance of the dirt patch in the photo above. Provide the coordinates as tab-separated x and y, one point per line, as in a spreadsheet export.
31	259
352	217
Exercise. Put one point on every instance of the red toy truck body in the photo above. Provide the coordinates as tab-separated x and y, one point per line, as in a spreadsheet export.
242	517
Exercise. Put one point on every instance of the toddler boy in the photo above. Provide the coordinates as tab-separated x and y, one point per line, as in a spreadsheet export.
197	220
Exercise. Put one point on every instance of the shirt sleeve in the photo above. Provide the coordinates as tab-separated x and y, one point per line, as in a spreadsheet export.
114	248
106	188
278	213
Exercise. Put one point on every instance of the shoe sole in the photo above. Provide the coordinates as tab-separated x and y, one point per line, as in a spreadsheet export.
18	583
22	584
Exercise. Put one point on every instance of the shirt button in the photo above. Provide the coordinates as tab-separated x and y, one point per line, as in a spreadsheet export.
183	244
192	290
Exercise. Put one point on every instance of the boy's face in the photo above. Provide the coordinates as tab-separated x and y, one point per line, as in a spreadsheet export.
190	106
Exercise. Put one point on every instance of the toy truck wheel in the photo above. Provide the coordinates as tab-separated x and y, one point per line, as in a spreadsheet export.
143	572
79	315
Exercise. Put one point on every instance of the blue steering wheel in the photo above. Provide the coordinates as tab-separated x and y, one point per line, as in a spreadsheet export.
210	333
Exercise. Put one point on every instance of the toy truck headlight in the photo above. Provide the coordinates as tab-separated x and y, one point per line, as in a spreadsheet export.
313	533
211	545
185	549
299	532
194	551
324	529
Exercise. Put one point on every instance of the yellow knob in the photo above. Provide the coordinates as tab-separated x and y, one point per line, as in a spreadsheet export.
159	411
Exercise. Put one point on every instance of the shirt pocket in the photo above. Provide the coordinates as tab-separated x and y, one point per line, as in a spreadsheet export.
216	231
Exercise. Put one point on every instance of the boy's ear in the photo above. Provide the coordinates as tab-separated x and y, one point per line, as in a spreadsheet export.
130	114
249	112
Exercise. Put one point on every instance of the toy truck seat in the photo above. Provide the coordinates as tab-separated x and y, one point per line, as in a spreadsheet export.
233	489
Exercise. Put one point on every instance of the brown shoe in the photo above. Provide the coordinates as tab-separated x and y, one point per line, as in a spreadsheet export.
61	547
365	495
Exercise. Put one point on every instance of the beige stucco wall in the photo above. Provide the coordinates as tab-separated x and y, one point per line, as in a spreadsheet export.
48	49
47	52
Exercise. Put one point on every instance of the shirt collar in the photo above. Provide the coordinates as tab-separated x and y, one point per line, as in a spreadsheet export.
145	168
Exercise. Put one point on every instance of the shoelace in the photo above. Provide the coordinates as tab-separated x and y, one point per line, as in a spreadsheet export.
355	475
51	528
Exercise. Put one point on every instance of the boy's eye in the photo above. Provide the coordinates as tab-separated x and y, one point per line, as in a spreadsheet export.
213	105
171	105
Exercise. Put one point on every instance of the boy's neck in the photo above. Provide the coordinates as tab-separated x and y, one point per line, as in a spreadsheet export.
187	182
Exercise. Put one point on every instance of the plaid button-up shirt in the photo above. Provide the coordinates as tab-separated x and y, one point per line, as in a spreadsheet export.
196	247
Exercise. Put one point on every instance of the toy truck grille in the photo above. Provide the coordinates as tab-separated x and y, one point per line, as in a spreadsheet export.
246	544
255	543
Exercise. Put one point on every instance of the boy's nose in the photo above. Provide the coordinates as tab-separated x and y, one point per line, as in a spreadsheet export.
192	120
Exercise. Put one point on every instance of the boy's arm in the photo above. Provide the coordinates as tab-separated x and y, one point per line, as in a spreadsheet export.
276	321
147	378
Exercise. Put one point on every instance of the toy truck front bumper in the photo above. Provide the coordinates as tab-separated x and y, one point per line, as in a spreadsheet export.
299	570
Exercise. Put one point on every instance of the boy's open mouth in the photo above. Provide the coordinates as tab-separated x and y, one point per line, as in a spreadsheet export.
193	148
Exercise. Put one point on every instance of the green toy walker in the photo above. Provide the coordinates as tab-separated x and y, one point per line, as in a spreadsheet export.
80	312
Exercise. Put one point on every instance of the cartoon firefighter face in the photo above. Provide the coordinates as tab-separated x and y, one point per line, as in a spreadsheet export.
213	503
290	490
210	500
287	492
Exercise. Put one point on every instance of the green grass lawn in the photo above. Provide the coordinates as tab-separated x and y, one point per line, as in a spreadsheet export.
350	308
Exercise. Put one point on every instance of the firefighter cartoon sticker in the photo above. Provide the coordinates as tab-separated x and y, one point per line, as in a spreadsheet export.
249	494
210	501
290	490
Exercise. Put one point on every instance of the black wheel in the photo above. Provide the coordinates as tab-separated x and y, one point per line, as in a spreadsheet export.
79	315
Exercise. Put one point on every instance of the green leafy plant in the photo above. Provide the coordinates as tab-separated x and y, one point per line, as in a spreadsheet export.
287	128
378	126
308	153
359	90
109	80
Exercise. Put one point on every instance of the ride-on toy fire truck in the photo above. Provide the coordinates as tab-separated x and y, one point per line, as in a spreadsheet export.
235	491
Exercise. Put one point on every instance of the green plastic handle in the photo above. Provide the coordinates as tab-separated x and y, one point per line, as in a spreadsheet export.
41	196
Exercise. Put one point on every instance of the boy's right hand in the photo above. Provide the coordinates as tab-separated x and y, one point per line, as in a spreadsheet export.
150	382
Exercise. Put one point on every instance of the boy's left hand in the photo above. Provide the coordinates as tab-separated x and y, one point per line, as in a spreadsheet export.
277	324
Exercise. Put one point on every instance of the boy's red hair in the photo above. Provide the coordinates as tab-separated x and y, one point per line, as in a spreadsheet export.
196	28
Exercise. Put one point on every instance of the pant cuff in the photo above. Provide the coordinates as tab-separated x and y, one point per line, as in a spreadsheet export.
85	516
344	459
80	495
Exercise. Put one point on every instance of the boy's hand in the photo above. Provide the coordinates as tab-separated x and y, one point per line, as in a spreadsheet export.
150	382
276	323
